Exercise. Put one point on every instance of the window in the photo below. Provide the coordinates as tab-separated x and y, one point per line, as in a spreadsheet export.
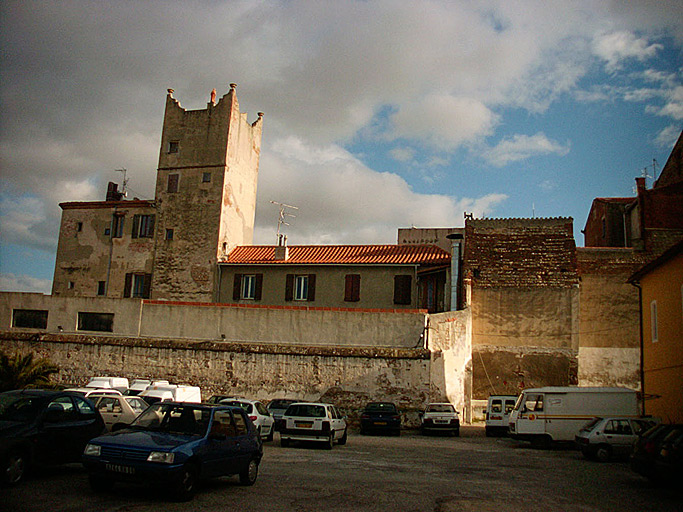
173	146
300	287
240	424
352	288
206	177
96	321
534	403
79	227
143	226
172	187
496	405
137	285
169	234
403	289
70	285
101	287
107	231
29	318
117	226
247	286
653	320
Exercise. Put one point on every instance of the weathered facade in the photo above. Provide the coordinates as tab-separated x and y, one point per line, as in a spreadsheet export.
204	206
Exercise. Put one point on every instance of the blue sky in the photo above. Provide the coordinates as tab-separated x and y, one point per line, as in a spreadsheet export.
378	114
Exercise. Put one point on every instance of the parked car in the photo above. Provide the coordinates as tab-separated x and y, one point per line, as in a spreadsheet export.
669	460
119	410
380	417
88	392
277	408
176	444
43	427
257	413
217	398
607	438
117	383
646	448
498	409
440	417
309	421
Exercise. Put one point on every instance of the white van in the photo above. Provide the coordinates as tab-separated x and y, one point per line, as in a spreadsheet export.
118	383
498	411
172	393
544	415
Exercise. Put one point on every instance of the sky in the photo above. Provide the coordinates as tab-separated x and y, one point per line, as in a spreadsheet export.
378	114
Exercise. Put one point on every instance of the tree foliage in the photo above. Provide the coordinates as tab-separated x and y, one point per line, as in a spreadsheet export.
21	371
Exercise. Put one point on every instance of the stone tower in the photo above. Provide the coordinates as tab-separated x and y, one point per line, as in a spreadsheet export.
205	194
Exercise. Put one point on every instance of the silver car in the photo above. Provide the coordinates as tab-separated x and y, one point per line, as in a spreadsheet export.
608	438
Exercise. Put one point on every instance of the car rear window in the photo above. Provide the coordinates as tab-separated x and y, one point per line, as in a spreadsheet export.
306	410
440	408
380	407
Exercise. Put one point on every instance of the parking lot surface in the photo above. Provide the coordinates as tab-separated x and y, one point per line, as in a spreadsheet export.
371	473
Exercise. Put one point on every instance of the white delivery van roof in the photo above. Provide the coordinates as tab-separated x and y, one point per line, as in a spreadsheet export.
578	389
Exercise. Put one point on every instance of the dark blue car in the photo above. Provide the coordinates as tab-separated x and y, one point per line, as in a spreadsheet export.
177	444
380	417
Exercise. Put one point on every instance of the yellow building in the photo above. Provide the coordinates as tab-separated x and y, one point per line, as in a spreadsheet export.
661	305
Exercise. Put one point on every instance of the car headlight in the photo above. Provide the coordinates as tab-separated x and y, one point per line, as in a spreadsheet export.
163	457
92	450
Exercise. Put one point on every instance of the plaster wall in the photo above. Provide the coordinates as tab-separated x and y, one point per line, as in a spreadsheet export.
609	366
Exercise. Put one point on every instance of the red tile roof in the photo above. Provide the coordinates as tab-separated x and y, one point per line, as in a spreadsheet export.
342	254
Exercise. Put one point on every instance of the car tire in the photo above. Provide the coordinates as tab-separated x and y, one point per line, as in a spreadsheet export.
343	439
269	437
15	467
100	483
456	432
330	442
250	474
284	442
187	485
603	453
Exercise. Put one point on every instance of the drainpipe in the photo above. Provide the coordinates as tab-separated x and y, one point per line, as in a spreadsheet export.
642	359
456	239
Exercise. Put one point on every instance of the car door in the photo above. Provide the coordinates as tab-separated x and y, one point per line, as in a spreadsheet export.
65	431
619	436
110	409
337	422
223	455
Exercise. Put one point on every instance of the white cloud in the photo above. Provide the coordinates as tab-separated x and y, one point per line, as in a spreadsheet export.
24	283
521	147
668	136
402	154
617	47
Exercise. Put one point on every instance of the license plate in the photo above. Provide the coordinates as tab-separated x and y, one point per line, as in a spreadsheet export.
440	421
301	424
116	468
380	423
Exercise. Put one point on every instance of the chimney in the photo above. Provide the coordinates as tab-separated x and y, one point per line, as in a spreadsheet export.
281	251
640	185
113	193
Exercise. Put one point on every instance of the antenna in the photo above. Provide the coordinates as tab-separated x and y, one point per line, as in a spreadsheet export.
281	218
124	189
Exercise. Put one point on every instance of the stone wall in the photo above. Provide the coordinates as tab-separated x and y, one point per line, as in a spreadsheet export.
347	377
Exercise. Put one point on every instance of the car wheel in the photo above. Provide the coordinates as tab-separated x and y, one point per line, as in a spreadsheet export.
100	483
15	467
270	436
187	485
603	453
342	441
249	475
284	442
330	442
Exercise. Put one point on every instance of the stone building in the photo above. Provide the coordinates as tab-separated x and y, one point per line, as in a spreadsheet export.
204	206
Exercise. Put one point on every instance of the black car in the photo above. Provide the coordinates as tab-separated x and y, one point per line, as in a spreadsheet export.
380	417
647	448
175	444
43	427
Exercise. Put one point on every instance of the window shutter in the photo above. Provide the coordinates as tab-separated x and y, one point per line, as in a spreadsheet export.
289	287
259	286
147	286
352	288
128	285
150	227
136	226
311	288
402	289
237	287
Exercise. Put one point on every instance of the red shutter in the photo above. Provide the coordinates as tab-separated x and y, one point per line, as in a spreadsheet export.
237	287
289	287
311	288
259	286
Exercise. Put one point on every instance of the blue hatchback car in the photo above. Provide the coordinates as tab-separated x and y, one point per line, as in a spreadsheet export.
178	444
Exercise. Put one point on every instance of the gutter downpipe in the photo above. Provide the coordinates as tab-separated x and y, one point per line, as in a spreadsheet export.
642	359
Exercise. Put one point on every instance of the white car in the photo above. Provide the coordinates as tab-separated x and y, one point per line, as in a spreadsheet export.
92	392
607	438
309	421
440	417
119	409
257	413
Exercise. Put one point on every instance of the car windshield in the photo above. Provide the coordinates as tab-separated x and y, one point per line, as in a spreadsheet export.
306	410
237	403
19	408
380	407
175	418
440	408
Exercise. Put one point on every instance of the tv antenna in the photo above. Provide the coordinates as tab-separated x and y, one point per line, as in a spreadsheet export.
124	187
282	218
